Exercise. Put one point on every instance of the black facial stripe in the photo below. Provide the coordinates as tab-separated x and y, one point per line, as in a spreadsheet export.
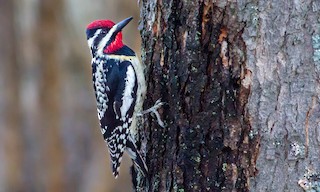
98	39
90	33
110	41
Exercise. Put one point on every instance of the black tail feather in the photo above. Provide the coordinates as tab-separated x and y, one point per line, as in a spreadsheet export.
136	157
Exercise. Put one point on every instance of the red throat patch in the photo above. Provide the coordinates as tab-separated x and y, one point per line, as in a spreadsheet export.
115	45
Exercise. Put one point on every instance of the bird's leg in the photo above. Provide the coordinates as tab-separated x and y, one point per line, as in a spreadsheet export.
154	110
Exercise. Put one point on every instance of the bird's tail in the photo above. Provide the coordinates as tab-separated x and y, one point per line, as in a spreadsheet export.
116	152
136	157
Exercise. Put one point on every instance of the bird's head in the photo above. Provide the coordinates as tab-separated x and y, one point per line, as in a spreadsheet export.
104	36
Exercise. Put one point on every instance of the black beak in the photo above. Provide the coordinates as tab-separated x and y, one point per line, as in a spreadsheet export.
122	24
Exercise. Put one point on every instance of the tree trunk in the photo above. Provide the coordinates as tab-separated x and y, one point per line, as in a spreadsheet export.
241	91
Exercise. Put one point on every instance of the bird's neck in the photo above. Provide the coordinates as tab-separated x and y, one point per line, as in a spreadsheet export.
114	45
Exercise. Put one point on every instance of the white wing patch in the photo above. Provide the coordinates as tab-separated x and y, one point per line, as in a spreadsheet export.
127	94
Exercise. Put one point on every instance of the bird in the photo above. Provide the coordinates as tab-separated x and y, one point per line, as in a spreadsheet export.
119	87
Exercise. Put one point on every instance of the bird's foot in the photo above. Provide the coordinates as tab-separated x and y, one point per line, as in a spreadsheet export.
154	110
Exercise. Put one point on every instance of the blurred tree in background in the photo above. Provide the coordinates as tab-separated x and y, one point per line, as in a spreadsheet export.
49	133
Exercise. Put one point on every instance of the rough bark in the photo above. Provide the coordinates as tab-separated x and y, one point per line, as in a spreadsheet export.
196	57
282	40
240	80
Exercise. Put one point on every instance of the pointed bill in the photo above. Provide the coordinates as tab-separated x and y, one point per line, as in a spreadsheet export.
119	26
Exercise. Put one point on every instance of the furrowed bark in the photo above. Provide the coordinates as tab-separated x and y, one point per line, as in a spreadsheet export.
196	57
241	82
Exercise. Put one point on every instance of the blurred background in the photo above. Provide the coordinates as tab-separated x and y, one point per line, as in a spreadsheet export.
49	132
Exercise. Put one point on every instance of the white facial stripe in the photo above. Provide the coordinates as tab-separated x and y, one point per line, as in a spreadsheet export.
105	40
90	41
127	97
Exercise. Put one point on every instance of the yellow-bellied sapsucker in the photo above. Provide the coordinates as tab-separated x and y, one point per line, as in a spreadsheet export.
119	85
